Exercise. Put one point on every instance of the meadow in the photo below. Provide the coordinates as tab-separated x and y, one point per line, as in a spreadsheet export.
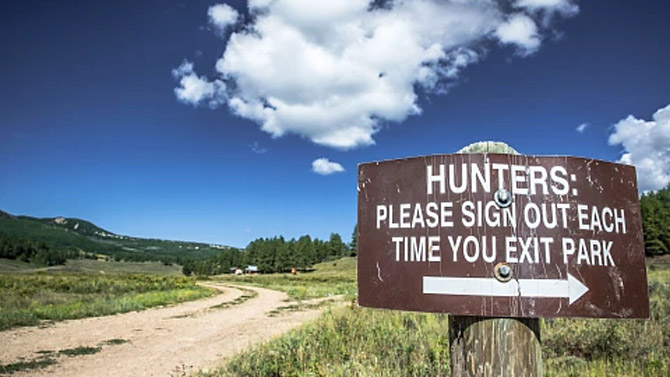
9	265
352	341
35	298
93	266
329	279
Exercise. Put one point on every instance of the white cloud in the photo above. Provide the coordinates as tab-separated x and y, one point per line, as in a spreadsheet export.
222	16
256	148
564	7
194	90
335	72
582	127
186	68
546	10
520	30
325	167
646	144
258	4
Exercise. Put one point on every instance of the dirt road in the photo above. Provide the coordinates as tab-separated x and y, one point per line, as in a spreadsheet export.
170	341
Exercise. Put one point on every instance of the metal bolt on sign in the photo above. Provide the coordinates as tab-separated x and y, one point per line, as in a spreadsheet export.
503	198
503	272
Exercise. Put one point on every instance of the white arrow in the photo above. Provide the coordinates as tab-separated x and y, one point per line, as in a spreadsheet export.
571	288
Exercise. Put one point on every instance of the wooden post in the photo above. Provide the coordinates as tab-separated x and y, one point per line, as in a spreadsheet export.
494	347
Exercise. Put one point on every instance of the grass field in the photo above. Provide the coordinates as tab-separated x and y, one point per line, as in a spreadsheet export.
9	265
32	298
328	279
352	341
93	267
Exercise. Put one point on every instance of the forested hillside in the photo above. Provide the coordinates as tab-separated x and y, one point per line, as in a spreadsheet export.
48	241
655	208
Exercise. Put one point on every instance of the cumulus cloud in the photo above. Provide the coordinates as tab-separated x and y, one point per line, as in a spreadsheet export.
335	72
582	127
222	16
193	89
519	30
646	144
325	167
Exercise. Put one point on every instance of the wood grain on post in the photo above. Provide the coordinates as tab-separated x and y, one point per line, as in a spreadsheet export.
494	347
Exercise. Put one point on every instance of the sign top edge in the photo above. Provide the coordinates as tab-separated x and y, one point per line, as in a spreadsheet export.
516	156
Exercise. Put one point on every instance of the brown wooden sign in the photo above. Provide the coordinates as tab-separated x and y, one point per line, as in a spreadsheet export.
501	235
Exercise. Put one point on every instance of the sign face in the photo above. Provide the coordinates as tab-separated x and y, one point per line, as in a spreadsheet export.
502	236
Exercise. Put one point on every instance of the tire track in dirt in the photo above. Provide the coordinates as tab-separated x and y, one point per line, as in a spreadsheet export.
169	341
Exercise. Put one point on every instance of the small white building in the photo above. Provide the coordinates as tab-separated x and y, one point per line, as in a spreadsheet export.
252	270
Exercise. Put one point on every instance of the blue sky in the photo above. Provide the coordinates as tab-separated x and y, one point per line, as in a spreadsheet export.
91	125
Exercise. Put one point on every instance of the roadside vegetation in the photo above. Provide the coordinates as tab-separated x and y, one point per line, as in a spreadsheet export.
352	341
32	299
600	347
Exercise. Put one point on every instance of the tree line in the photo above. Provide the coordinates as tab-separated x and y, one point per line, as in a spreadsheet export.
34	252
655	207
275	255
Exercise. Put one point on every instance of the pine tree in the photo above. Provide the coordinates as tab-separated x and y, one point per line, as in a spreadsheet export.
284	259
304	251
336	247
655	208
353	245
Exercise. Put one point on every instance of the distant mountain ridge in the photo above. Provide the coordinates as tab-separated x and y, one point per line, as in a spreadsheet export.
5	215
63	233
80	226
